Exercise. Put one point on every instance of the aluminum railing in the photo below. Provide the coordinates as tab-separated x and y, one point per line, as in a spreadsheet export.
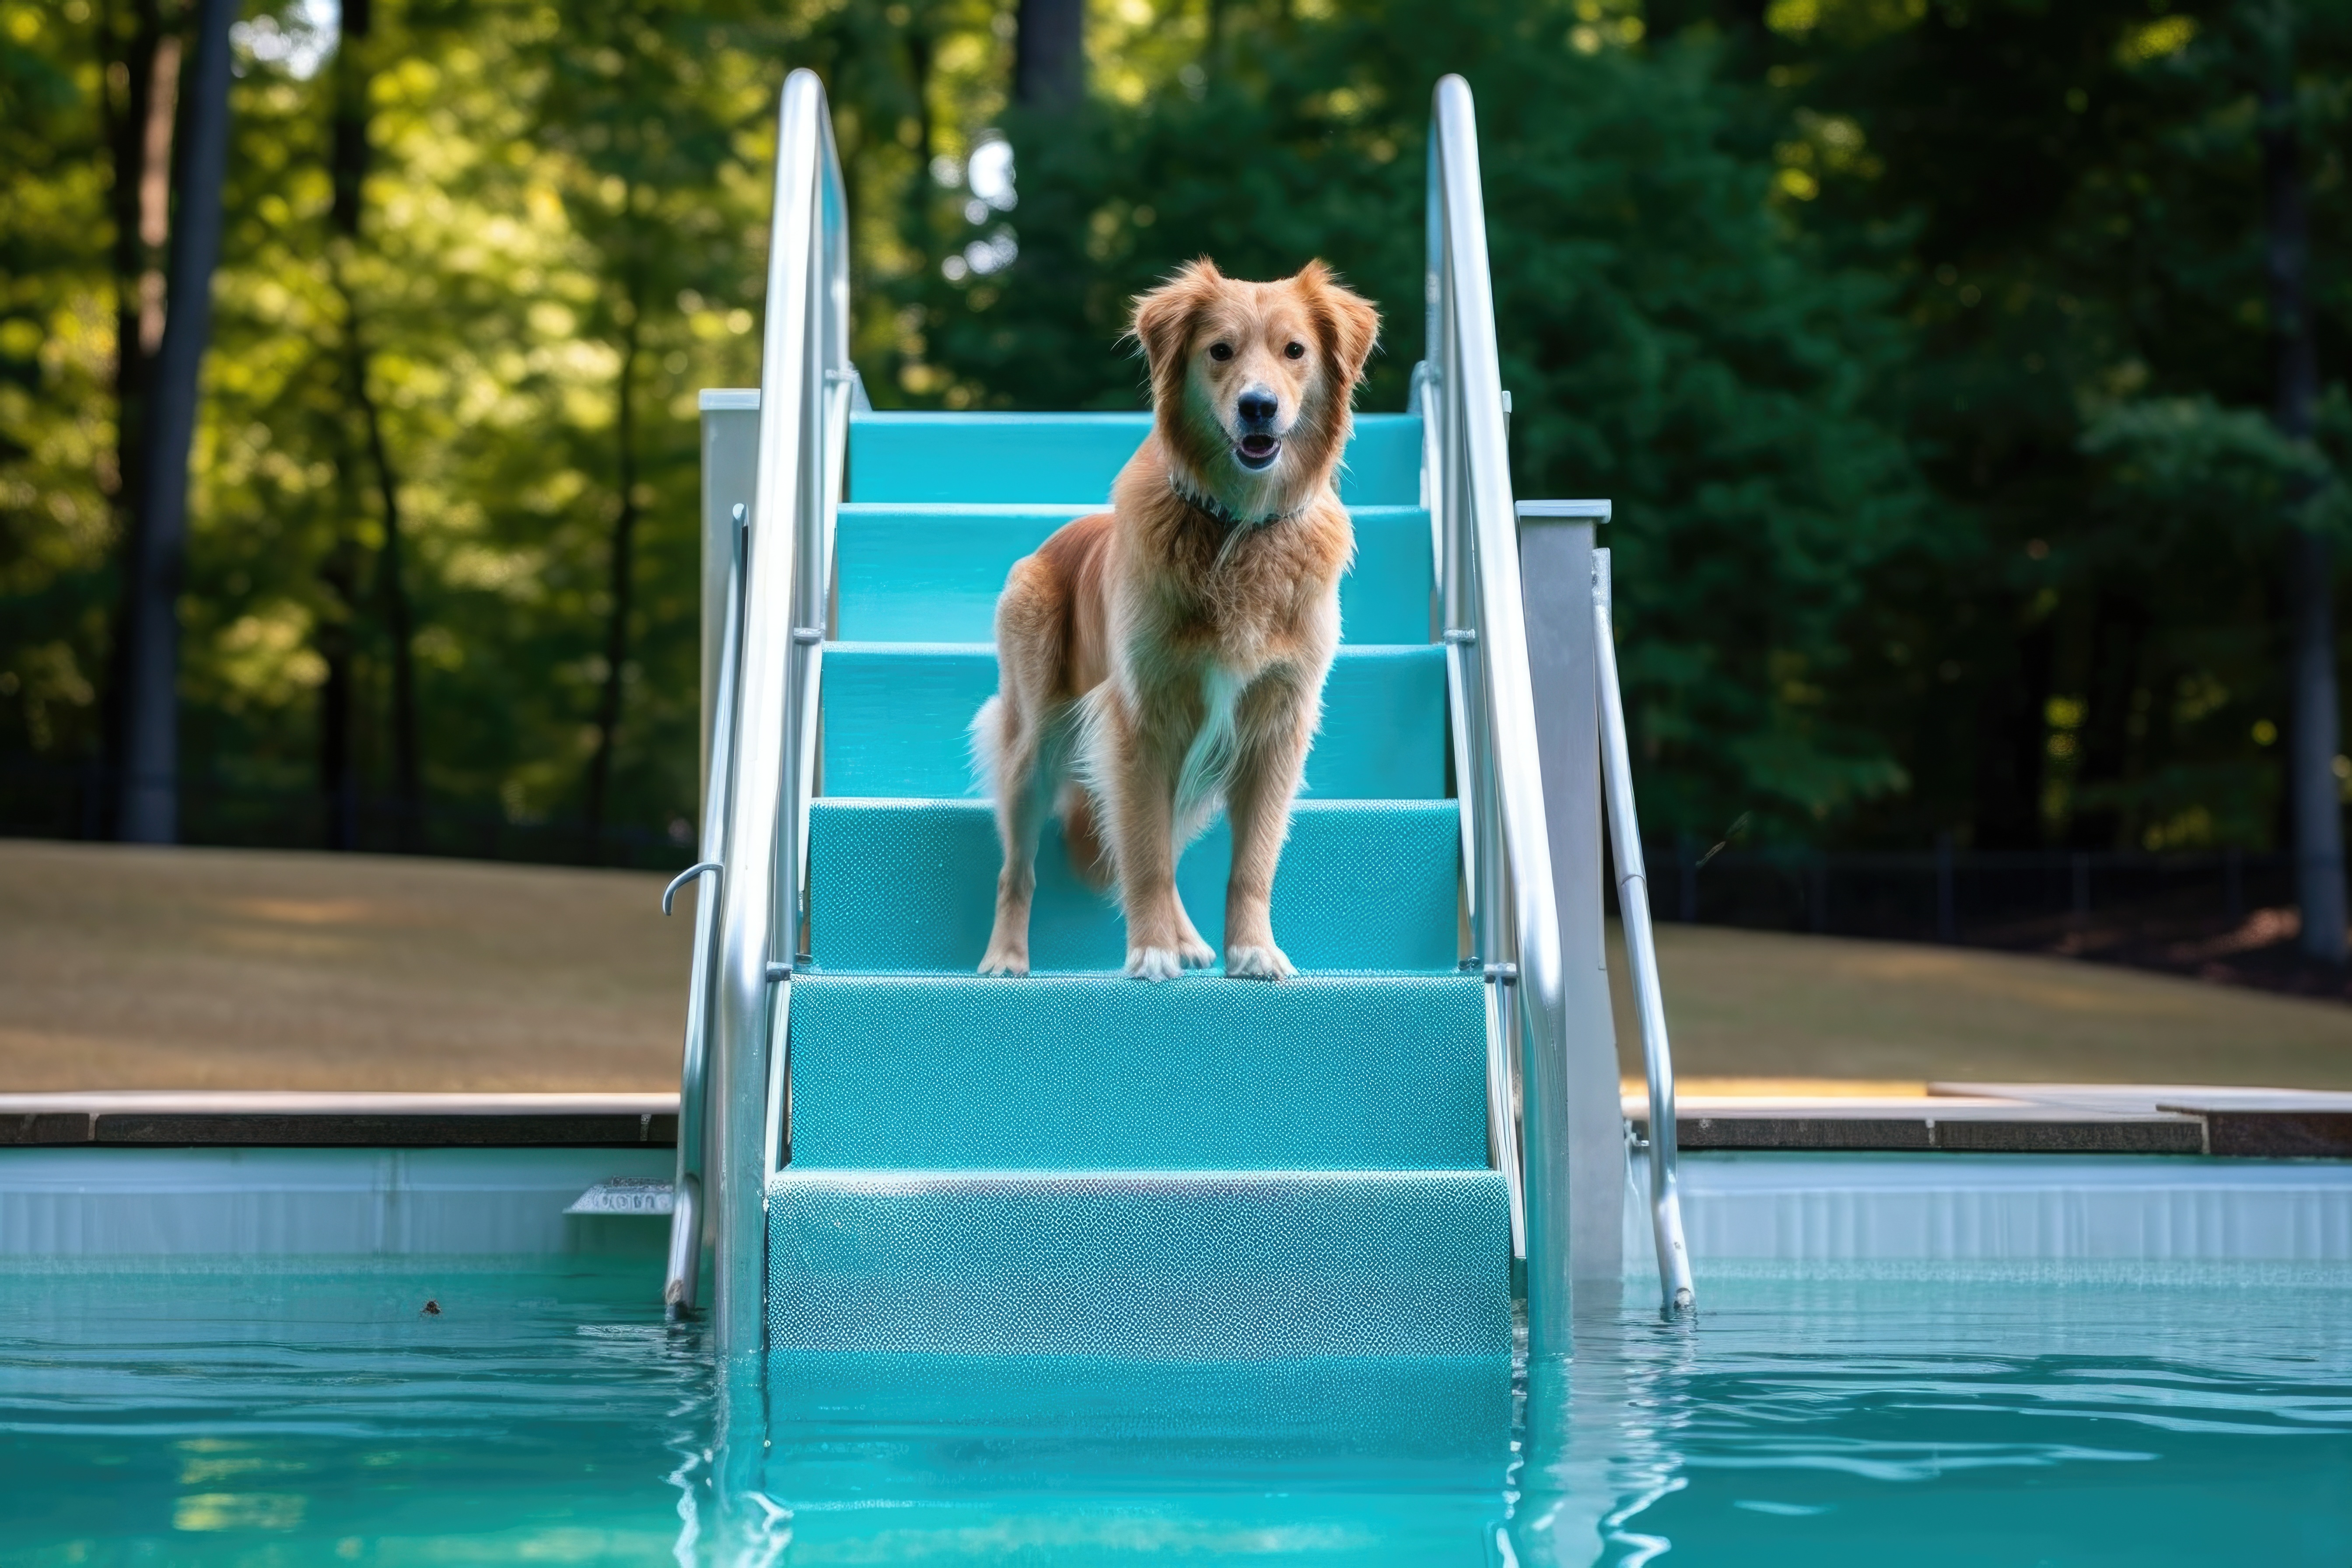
690	1216
751	917
1641	953
1507	846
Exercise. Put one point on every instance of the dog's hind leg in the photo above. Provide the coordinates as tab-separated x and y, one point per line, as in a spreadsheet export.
1013	742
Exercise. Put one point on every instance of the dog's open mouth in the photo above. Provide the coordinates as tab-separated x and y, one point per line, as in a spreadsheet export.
1256	450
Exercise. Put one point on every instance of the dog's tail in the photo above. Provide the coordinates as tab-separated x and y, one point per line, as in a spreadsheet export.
987	743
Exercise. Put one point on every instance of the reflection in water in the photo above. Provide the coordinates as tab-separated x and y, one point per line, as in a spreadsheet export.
225	1417
237	1412
1054	1460
2124	1415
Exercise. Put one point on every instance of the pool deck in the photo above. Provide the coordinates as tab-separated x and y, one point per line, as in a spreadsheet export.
1977	1119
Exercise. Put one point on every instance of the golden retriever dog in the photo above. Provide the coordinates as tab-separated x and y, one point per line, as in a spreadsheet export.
1165	658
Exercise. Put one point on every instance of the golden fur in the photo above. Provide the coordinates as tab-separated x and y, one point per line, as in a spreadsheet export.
1167	656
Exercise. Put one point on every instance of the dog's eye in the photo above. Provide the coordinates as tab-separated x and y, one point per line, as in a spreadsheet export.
1221	352
1295	350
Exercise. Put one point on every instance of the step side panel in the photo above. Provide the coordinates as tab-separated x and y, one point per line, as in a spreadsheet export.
912	885
1187	1266
1200	1073
897	717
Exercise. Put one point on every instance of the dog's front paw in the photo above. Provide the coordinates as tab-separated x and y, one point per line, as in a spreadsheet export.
1195	953
1012	961
1154	963
1251	962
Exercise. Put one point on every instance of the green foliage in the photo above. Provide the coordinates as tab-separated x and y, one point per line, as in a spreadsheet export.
1669	340
2068	201
56	426
2187	466
1922	347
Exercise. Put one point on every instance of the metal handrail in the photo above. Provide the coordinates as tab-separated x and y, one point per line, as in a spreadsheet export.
1507	871
1514	921
688	1214
806	384
1641	952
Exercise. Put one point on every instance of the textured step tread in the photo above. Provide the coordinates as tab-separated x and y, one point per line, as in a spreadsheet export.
912	885
1157	1519
897	717
931	572
1074	456
1192	1265
939	1073
975	1441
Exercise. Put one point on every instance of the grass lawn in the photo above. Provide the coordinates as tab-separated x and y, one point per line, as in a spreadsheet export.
136	968
129	968
1755	1012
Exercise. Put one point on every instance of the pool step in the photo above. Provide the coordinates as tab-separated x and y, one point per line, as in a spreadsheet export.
912	885
1075	1164
895	1072
1186	1266
1075	457
897	717
975	1429
929	572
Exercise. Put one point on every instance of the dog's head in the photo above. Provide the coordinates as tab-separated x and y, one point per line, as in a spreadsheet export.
1251	382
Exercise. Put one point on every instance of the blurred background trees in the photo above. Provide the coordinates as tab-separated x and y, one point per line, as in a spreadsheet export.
1967	374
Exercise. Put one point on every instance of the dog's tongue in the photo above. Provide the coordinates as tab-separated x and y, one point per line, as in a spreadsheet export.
1257	446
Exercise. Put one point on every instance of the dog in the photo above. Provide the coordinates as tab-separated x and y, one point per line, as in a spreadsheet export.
1165	658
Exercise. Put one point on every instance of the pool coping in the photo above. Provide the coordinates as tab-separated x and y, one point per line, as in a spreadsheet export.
302	1118
2226	1122
2229	1123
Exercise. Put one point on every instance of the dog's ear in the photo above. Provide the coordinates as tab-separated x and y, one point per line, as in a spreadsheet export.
1163	318
1351	323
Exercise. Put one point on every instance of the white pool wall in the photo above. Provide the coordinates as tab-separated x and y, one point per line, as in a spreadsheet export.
1963	1208
91	1203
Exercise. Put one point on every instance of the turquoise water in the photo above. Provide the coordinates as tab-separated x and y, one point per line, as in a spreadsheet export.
242	1416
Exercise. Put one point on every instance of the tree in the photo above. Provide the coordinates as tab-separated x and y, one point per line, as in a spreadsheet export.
349	155
139	98
1049	61
1667	339
2069	202
150	634
2314	727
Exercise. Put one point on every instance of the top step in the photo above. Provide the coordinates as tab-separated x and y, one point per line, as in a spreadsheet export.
1073	457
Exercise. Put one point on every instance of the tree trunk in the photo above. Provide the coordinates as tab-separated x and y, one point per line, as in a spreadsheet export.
2120	629
350	156
1049	52
335	638
2013	745
140	74
399	626
918	81
2312	726
616	629
150	654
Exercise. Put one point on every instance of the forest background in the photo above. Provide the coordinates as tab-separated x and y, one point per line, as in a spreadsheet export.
1977	433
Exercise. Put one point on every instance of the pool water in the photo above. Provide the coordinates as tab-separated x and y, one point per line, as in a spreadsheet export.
236	1416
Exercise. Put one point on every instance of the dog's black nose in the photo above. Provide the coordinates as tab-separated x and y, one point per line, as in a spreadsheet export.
1258	407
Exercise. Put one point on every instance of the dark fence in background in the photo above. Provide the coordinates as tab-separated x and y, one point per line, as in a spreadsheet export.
2027	899
54	801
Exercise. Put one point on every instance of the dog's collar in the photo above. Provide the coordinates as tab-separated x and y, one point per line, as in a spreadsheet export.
1221	513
